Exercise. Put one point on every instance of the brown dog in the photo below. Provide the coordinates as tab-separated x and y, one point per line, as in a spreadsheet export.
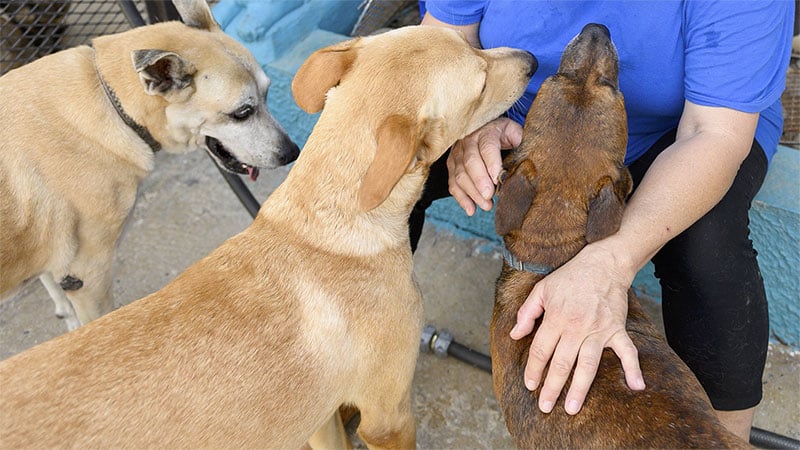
566	186
311	307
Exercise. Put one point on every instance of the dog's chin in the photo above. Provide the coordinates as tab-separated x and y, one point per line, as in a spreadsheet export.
227	161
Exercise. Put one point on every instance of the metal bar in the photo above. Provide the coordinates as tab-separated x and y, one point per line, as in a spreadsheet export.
131	13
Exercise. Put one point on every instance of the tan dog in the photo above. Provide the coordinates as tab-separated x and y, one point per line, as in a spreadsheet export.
566	186
311	307
80	128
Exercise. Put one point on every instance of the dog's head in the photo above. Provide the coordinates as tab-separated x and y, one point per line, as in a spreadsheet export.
216	95
566	183
418	88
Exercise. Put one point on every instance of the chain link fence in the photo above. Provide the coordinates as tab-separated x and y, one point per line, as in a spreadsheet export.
30	29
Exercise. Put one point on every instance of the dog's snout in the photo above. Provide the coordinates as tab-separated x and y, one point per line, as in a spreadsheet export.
533	63
596	28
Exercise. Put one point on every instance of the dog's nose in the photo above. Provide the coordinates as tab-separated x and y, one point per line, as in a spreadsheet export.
533	63
596	27
290	152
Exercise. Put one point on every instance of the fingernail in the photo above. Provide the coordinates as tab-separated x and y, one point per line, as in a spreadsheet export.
487	192
639	384
514	330
573	406
531	384
546	407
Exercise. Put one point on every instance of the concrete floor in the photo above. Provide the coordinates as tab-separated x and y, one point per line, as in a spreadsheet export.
185	210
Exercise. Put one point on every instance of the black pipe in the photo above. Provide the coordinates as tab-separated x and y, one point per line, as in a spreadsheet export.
242	192
161	11
442	344
470	356
131	13
767	439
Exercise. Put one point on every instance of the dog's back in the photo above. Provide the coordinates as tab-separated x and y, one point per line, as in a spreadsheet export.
566	186
240	337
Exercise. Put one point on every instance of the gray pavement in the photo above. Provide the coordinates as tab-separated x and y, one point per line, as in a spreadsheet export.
185	209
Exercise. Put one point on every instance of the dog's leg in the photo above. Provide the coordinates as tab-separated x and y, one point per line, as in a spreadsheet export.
388	425
64	309
93	298
331	435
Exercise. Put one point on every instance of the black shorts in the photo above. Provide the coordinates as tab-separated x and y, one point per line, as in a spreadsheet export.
713	300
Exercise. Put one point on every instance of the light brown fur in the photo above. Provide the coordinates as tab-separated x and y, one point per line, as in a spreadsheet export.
70	166
311	307
566	186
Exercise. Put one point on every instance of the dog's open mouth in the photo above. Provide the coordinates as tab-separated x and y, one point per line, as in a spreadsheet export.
228	161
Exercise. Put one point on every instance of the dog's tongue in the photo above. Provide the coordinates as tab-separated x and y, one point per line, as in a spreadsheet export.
253	172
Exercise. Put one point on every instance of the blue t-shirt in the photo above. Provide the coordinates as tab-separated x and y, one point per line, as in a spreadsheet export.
714	53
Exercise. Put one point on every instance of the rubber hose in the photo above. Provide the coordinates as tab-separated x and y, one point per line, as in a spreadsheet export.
767	439
470	356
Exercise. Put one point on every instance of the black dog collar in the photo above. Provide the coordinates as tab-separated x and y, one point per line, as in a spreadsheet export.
141	131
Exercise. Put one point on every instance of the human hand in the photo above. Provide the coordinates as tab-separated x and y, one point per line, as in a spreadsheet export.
475	163
585	306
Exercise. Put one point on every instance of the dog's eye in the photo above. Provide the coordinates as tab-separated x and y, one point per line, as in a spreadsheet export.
243	113
603	81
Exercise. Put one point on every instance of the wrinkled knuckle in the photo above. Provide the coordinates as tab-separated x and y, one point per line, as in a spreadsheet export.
461	179
451	164
454	191
575	321
561	367
537	353
588	362
471	158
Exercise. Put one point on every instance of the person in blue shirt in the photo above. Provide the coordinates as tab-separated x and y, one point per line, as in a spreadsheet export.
702	82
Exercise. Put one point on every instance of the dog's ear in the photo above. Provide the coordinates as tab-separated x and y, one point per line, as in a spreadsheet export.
515	197
161	72
320	72
196	14
397	144
400	139
605	209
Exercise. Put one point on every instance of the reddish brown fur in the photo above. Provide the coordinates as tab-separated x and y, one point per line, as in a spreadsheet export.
566	186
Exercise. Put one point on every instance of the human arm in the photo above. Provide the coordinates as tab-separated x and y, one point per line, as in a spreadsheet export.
585	301
470	31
